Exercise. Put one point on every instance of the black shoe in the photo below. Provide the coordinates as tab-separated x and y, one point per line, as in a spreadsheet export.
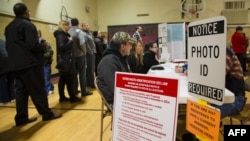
65	99
27	121
76	99
87	94
51	117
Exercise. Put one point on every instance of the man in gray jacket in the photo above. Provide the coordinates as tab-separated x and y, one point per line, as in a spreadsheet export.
91	50
79	52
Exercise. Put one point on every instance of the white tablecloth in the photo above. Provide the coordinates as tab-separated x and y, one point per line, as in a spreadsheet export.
168	70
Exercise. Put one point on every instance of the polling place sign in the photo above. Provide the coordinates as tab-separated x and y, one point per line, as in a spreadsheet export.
202	120
207	59
145	108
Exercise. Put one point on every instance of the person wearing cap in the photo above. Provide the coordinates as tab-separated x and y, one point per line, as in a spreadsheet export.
239	44
26	61
114	60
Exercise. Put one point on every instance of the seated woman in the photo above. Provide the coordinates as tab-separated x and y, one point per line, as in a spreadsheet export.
150	56
135	59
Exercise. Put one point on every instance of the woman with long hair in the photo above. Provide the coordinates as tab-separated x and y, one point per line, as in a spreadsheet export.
135	59
65	62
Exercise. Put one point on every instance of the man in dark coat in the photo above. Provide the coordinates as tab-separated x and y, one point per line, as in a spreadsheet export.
114	60
26	61
100	47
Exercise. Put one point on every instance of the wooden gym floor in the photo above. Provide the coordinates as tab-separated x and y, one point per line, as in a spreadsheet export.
80	122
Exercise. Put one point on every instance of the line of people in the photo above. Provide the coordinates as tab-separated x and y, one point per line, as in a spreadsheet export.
77	55
30	56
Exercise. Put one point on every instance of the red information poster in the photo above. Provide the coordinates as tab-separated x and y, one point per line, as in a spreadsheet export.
145	108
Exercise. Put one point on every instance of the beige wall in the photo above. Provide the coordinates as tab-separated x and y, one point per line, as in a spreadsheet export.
49	10
122	12
117	12
113	12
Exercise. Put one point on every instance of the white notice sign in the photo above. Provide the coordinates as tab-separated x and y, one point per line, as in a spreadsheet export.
145	108
207	59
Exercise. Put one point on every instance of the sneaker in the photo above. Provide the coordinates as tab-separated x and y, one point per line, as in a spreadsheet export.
51	92
51	117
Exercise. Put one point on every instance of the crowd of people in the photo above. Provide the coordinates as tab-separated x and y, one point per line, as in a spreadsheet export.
80	57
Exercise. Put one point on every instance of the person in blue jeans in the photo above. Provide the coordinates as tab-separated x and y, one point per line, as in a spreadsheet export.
7	92
48	58
235	83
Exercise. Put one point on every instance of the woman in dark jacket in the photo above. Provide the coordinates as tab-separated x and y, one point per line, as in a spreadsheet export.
65	62
150	56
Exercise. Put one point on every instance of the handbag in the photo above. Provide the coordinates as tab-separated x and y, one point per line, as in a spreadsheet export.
65	67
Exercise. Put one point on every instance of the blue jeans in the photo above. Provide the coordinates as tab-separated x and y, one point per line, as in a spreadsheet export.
47	75
232	108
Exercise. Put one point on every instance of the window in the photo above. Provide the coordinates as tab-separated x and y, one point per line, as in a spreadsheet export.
235	4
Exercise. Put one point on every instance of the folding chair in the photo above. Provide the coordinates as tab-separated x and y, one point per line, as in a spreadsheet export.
182	112
243	116
106	110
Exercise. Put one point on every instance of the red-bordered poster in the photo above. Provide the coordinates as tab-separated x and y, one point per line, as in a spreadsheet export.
145	108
